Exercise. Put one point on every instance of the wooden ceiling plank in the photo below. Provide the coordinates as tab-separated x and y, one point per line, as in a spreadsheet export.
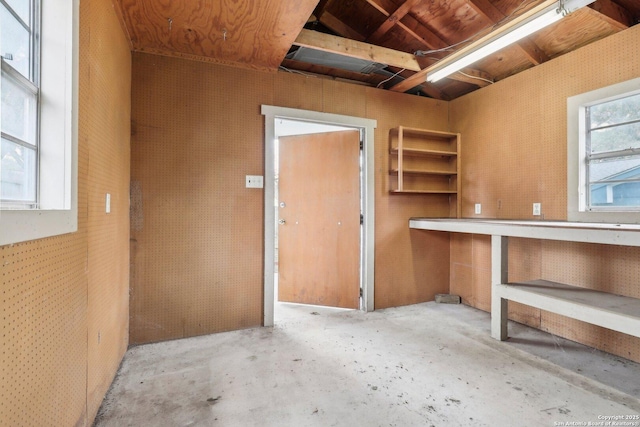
255	34
487	9
613	13
532	51
409	24
428	38
382	8
392	20
339	27
356	49
477	78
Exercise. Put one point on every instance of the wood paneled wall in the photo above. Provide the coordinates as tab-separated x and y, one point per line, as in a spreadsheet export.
515	153
197	250
65	299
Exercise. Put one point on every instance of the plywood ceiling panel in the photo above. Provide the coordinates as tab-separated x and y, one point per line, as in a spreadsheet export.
452	20
259	34
578	29
248	33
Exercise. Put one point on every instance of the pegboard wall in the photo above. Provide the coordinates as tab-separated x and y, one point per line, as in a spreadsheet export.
514	140
410	266
107	123
59	293
197	231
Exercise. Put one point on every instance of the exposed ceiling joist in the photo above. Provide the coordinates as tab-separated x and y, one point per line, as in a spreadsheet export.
532	51
468	75
258	34
393	19
434	92
356	49
339	27
321	72
475	77
410	24
613	13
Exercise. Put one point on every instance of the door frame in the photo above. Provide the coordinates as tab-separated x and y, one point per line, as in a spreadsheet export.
366	127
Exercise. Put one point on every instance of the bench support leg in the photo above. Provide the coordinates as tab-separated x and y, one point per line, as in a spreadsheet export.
499	275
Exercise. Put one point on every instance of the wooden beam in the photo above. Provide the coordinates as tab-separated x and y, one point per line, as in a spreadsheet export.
392	19
475	77
356	49
613	13
487	9
339	27
478	78
434	92
532	51
321	71
321	7
410	25
431	90
427	37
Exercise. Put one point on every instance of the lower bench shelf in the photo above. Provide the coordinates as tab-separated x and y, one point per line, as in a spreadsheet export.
610	311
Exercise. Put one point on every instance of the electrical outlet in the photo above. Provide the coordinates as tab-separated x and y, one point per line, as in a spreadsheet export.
537	208
478	208
254	181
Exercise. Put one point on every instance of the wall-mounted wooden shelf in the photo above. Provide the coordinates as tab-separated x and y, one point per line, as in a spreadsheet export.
422	172
424	191
423	161
422	152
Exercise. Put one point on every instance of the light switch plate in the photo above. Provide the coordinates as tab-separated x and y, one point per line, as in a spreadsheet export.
478	208
107	203
254	181
537	209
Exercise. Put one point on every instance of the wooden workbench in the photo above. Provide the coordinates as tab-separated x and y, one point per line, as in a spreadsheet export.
616	312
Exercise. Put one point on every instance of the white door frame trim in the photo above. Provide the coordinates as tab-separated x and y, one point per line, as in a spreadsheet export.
272	113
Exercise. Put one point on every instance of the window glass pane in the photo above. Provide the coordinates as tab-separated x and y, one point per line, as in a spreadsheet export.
621	110
14	41
17	172
21	7
19	108
615	138
615	192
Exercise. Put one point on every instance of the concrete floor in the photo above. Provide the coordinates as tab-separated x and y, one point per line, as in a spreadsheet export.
422	365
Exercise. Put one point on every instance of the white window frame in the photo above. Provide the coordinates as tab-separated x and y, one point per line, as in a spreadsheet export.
57	211
577	209
30	84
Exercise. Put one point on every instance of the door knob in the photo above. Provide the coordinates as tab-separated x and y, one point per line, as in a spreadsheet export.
281	221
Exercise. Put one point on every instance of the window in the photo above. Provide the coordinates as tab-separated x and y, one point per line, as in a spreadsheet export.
38	157
20	92
613	154
604	154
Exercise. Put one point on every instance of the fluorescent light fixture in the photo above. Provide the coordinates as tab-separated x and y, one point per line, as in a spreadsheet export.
541	16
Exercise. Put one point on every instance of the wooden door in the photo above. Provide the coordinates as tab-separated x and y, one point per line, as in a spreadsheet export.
319	219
